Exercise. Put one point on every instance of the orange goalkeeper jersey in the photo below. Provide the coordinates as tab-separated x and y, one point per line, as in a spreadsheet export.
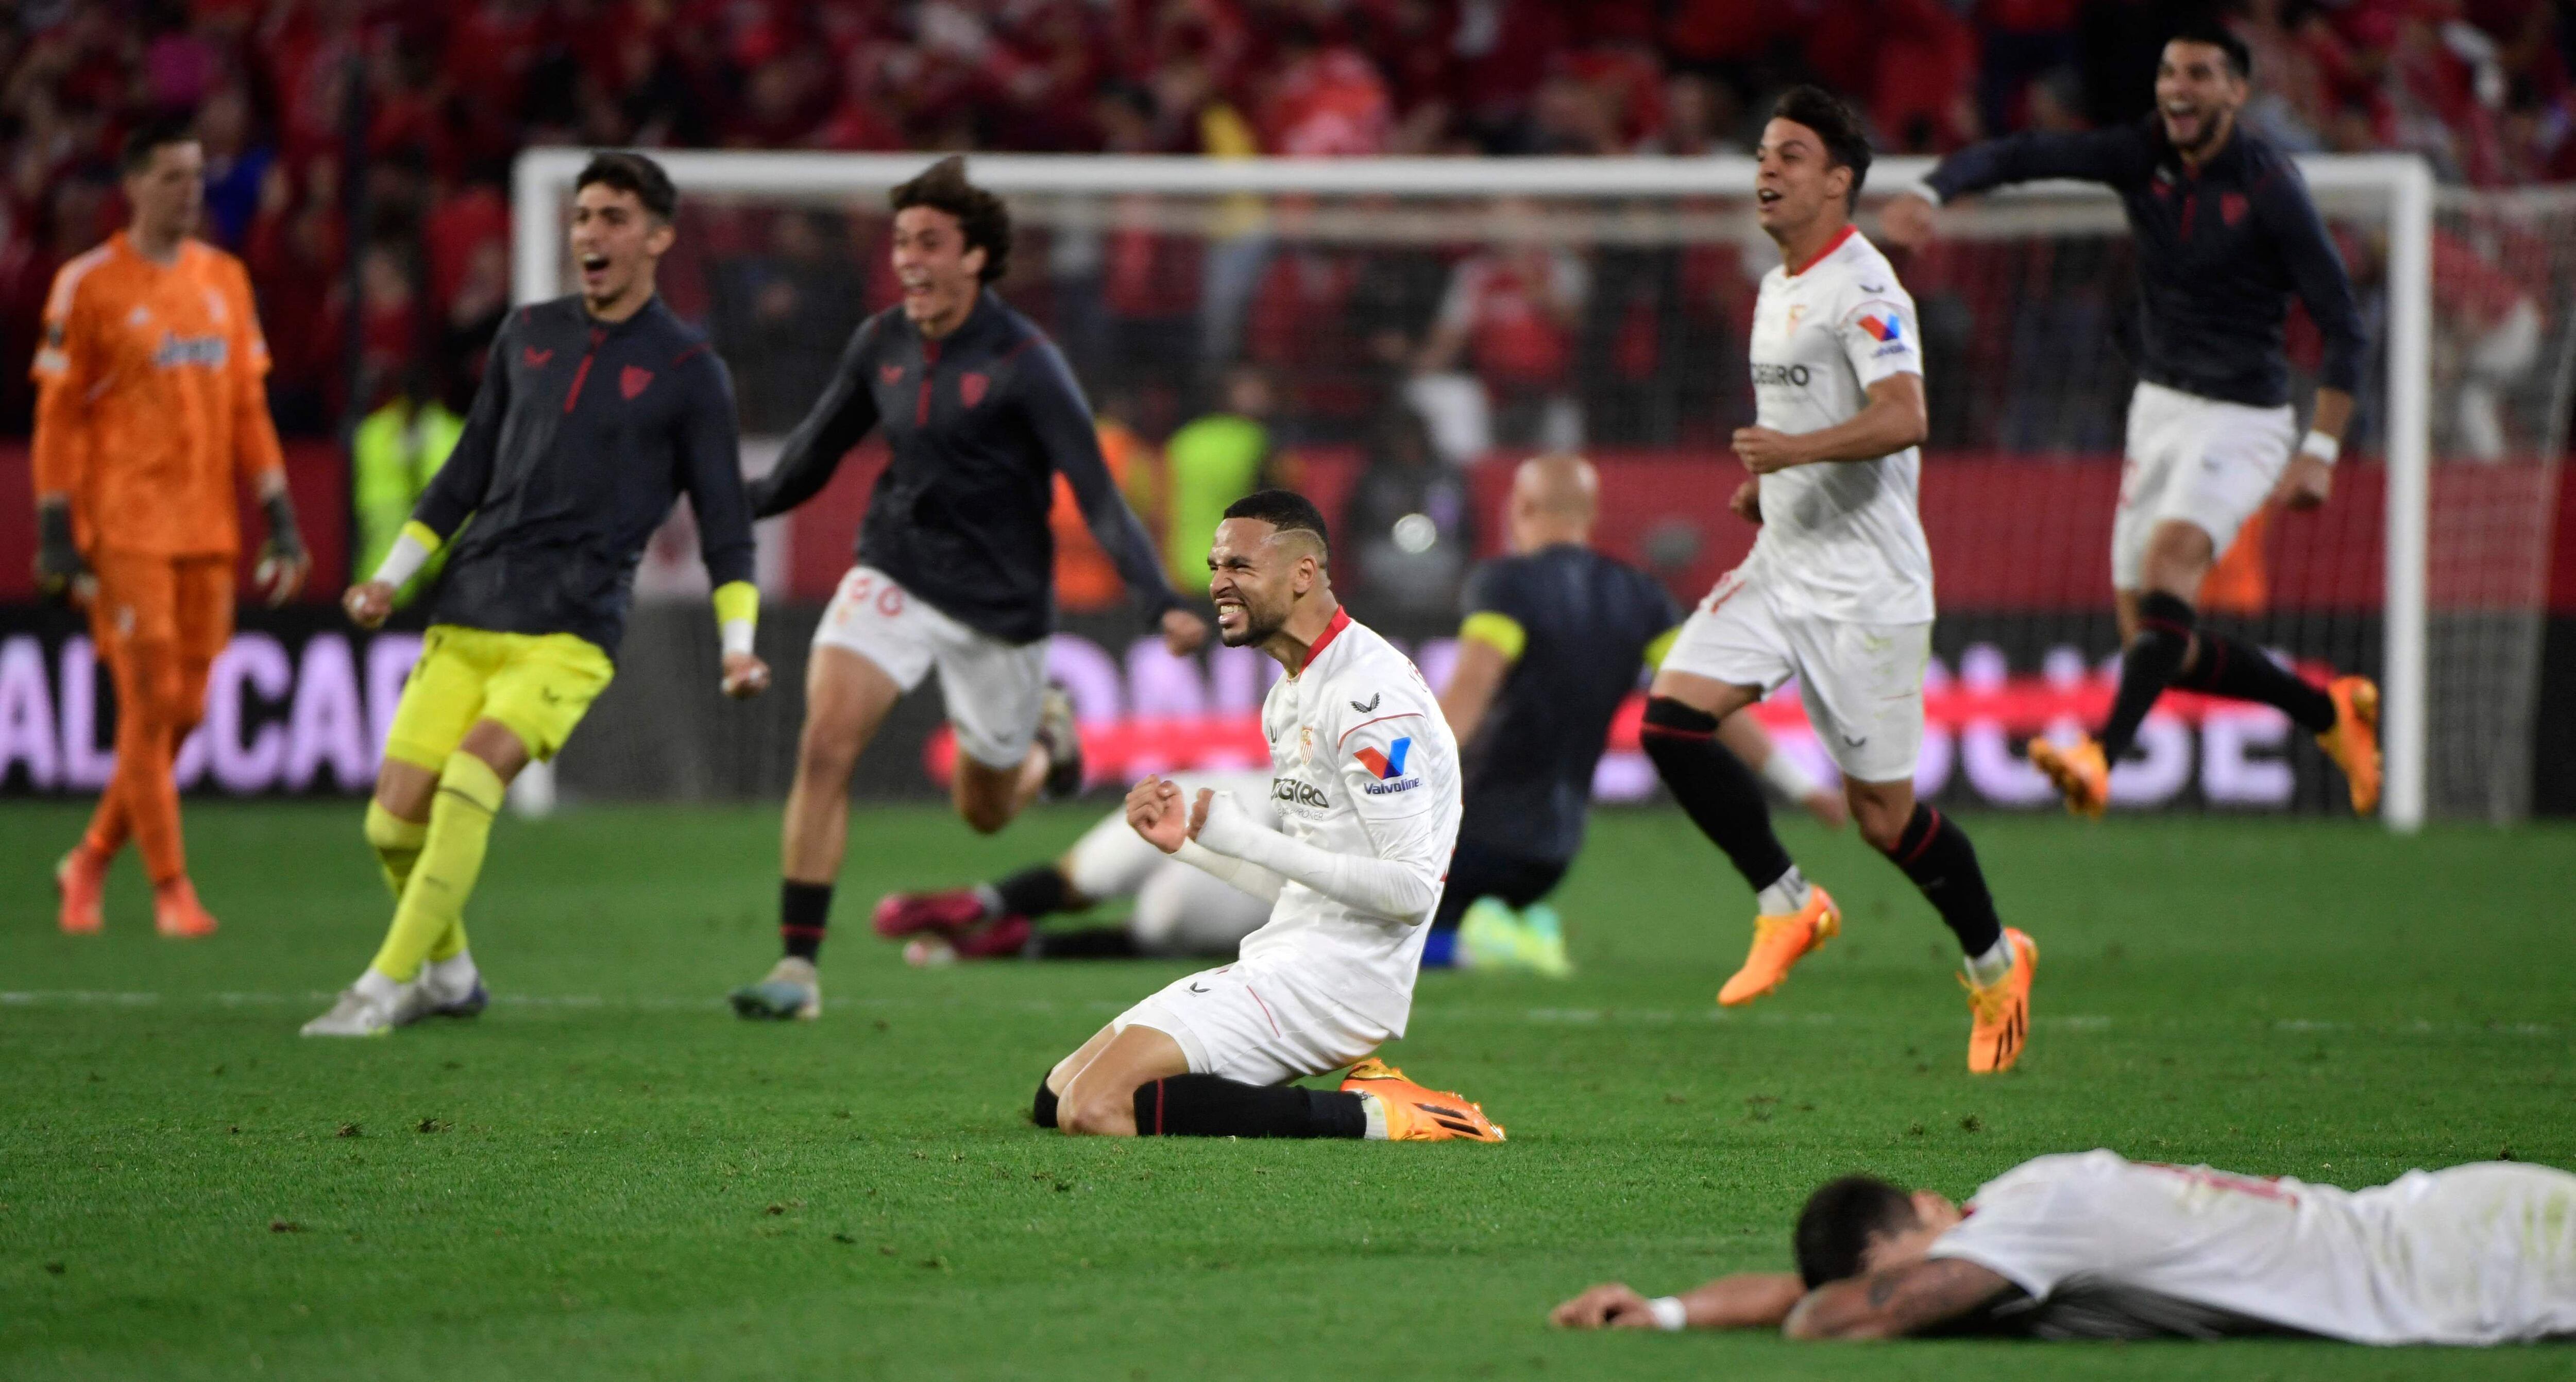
151	401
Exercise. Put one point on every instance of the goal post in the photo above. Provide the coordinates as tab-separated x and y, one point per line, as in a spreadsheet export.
2389	201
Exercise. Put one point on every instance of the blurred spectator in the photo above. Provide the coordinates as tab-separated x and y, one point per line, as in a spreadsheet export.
1209	464
1510	316
781	318
1407	526
236	166
2491	341
392	456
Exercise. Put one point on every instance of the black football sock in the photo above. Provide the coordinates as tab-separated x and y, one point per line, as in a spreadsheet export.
1089	943
2238	670
803	911
1935	853
1213	1106
2164	639
1042	1110
1722	795
1033	892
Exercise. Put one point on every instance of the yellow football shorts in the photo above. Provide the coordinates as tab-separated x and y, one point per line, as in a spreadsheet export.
537	684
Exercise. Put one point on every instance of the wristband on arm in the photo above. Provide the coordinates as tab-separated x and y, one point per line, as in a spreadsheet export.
411	551
1669	1312
2321	446
737	616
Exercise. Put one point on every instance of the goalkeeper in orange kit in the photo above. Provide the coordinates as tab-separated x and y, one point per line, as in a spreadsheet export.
150	406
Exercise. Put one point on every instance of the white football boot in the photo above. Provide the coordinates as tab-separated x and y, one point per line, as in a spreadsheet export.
792	990
365	1010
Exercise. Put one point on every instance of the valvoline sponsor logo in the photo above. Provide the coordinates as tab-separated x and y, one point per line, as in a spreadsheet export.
1388	768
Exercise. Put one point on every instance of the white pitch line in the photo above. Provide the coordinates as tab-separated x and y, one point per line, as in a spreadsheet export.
1444	1012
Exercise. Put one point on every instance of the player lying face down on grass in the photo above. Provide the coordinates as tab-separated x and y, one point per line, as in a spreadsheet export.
980	413
2093	1246
1364	776
598	411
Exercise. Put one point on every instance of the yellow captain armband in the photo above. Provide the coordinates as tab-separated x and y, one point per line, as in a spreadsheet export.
1498	631
737	615
423	534
1663	644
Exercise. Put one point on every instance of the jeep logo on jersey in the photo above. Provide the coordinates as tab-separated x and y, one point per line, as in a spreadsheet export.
178	351
1295	793
971	387
633	379
1780	374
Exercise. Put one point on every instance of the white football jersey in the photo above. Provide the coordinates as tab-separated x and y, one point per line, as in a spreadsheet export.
1840	539
1362	763
2476	1254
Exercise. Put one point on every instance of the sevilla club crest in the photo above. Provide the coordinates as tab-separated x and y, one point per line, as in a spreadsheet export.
632	379
971	388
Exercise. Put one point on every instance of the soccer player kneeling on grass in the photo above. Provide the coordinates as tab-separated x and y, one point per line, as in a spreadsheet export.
597	411
2094	1246
1365	778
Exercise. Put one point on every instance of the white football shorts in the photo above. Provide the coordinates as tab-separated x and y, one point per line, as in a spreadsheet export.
1862	683
2205	462
1255	1023
992	689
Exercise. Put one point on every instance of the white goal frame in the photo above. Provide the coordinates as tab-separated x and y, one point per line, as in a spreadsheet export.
2401	185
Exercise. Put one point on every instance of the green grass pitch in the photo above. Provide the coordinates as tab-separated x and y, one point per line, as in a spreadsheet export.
609	1176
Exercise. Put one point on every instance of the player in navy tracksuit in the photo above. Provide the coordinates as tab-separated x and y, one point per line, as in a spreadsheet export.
2225	234
955	561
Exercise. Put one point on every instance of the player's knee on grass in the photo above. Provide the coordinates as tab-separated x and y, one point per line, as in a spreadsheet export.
1091	1110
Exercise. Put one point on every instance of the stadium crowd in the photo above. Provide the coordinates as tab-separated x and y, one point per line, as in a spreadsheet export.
452	92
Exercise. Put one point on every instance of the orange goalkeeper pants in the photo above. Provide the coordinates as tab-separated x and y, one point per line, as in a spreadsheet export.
158	623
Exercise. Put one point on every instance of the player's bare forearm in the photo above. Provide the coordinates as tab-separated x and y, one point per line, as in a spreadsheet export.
1895	419
2333	415
1473	681
1747	1300
1893	1303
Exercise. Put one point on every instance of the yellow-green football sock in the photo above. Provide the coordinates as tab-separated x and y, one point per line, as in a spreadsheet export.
433	902
397	844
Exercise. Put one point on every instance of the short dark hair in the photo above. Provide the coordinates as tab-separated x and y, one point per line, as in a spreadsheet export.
149	138
632	172
1835	1229
981	217
2217	35
1846	145
1285	510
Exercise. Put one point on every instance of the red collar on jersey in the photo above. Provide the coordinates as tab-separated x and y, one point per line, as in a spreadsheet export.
1332	629
1832	245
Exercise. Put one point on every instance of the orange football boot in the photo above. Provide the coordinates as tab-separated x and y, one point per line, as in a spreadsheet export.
2001	1010
1778	943
1415	1114
81	878
2353	743
176	912
2079	771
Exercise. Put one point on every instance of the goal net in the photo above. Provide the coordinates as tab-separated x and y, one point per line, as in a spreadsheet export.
1401	330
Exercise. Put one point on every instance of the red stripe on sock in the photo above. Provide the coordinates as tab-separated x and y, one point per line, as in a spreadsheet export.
1158	1108
1928	834
1656	731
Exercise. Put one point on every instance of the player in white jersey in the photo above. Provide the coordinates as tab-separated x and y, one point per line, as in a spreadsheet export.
2093	1246
1364	775
1179	910
1838	590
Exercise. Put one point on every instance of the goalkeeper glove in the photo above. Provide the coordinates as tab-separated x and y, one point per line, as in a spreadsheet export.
58	560
285	541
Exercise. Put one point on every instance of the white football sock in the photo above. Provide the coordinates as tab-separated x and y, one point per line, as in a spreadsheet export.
1784	897
1989	969
1376	1110
989	898
454	976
